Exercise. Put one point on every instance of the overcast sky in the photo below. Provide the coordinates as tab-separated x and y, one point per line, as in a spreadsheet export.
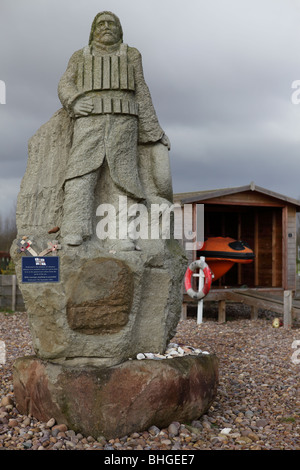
220	73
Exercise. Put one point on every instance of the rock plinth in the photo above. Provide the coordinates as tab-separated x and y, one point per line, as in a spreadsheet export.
106	307
118	400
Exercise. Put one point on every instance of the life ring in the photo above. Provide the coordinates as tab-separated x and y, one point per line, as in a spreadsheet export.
199	263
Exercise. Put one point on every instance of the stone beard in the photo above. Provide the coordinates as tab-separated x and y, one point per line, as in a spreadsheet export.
104	150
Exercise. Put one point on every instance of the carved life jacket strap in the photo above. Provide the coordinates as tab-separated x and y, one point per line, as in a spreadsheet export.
107	105
106	72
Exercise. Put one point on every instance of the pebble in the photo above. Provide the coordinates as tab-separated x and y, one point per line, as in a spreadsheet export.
6	401
26	422
27	444
255	407
13	423
173	429
166	442
261	423
50	423
70	444
154	430
59	428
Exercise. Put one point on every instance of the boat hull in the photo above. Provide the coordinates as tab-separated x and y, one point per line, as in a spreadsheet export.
221	253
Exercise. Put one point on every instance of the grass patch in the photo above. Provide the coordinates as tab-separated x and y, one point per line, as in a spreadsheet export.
6	310
288	419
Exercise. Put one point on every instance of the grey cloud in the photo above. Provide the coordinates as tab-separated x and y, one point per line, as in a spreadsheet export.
220	75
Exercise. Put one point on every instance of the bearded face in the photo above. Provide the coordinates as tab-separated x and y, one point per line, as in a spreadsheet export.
107	30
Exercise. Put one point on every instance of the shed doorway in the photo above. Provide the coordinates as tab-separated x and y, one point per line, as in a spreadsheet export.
261	228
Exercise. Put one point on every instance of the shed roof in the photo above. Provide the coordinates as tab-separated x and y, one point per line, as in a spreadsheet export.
196	196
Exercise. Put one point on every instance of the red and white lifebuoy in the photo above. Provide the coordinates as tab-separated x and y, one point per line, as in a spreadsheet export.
198	264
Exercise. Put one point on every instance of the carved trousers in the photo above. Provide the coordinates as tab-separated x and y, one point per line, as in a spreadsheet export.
82	211
106	147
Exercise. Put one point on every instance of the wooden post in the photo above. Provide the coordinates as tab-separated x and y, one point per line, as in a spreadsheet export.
256	247
284	248
239	236
274	251
222	311
194	222
200	286
13	292
254	312
287	309
183	311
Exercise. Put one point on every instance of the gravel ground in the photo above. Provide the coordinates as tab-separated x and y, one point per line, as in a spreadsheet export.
257	406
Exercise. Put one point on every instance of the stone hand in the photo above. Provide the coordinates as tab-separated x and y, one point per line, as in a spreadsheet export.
166	141
83	107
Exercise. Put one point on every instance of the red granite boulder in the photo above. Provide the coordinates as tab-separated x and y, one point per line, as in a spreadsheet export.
118	400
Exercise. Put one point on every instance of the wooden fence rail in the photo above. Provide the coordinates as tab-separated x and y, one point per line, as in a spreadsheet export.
280	302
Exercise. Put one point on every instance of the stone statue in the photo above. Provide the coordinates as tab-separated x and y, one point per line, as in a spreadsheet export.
104	91
112	297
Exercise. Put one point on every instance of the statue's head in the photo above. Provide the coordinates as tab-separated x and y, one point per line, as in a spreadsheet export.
106	29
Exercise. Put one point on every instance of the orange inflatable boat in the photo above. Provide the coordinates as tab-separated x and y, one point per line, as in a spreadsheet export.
221	253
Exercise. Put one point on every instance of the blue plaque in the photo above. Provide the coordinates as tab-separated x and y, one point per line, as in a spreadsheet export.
40	269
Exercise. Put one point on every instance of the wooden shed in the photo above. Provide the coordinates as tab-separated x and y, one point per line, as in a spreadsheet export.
266	220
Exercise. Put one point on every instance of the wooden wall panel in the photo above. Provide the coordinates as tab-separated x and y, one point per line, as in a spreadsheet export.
291	248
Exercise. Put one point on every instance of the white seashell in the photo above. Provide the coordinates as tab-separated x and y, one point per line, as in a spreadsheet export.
149	355
225	431
172	345
180	350
188	349
173	352
140	356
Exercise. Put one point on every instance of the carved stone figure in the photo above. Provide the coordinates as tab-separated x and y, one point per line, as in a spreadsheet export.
104	90
105	143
